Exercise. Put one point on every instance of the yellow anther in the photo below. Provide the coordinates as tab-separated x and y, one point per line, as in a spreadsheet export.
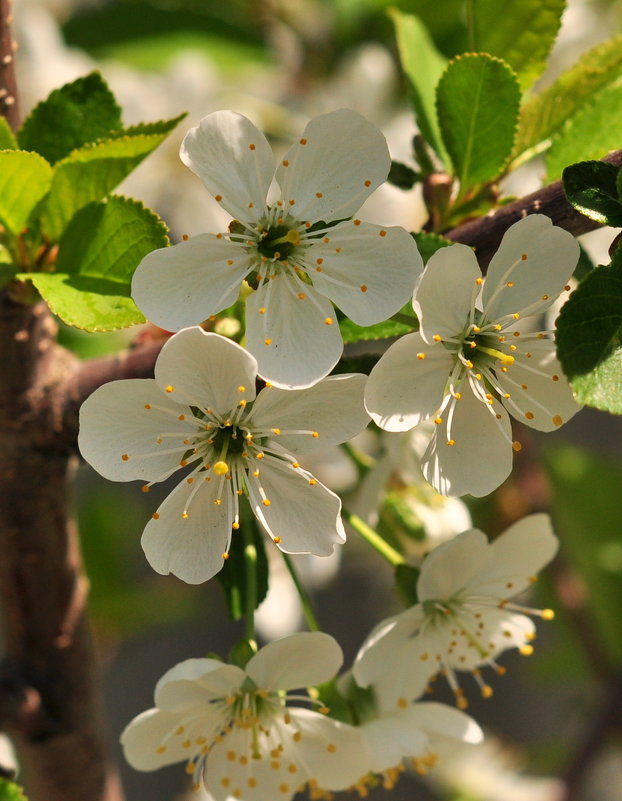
262	310
301	296
315	434
363	287
457	395
312	482
125	457
421	356
517	446
221	468
437	338
155	516
277	540
382	233
557	420
529	415
438	420
516	316
451	441
526	650
510	283
328	320
276	431
184	515
267	342
548	614
266	502
331	748
487	691
146	488
170	388
147	406
160	749
479	281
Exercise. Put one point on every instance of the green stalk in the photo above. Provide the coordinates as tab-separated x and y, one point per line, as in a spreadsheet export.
307	608
374	539
250	568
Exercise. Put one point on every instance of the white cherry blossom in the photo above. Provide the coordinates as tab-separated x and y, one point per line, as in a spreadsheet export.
300	252
202	412
464	618
472	361
237	731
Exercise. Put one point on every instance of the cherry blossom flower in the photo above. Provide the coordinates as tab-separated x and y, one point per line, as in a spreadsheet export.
299	253
202	411
470	363
235	729
464	618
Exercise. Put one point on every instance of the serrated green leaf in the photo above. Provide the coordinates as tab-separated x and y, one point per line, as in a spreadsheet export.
89	173
478	99
545	114
162	127
428	244
589	331
233	576
590	134
591	188
9	791
423	66
7	137
351	332
587	487
98	253
25	179
77	113
522	35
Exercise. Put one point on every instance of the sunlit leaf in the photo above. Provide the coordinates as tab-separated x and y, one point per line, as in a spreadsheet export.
25	179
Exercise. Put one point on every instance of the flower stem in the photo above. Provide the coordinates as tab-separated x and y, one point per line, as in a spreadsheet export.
307	608
362	461
250	569
374	539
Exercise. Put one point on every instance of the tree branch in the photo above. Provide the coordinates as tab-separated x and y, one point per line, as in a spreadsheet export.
485	233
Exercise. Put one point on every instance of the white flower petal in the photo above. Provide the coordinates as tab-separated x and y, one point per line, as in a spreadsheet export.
367	270
301	660
481	458
452	566
206	370
519	554
196	682
329	751
336	164
404	389
332	408
142	740
441	720
296	341
501	630
186	283
390	739
446	292
551	255
306	518
190	548
540	394
118	432
234	161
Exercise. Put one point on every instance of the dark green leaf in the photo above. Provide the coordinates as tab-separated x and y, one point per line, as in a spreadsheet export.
589	331
233	576
9	791
428	244
77	113
590	134
7	137
591	188
89	173
522	34
402	176
478	100
406	578
423	65
161	127
546	113
25	178
585	484
98	253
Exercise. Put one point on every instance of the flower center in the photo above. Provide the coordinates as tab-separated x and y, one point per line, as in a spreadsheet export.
278	242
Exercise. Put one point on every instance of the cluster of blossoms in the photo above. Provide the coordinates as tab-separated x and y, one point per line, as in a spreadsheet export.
236	420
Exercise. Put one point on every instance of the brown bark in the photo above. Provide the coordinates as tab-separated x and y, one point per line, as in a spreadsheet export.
9	107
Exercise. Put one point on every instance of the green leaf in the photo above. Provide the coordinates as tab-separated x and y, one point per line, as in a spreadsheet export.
585	484
351	332
98	253
428	244
162	127
89	173
9	791
25	179
589	331
590	134
423	65
478	99
7	137
522	35
406	578
233	578
544	115
73	115
591	188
